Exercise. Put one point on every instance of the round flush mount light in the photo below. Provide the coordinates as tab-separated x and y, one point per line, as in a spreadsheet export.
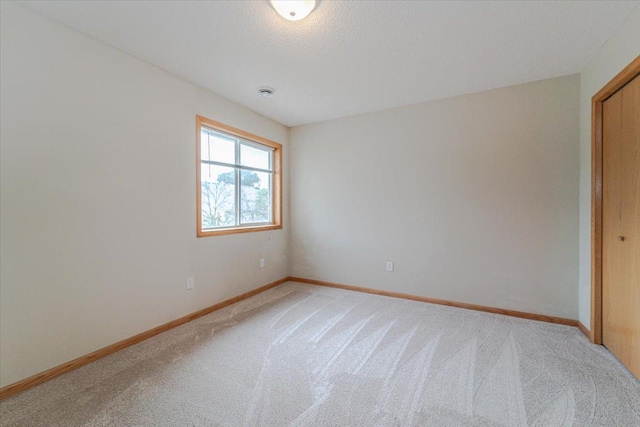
293	10
266	91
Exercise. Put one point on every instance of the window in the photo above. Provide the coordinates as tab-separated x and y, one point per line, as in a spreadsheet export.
239	183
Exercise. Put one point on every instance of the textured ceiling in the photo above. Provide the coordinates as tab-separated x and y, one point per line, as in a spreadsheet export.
349	57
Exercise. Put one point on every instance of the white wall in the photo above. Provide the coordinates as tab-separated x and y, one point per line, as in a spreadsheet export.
98	198
475	198
621	48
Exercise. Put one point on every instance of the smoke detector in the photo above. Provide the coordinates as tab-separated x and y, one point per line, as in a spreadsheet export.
265	91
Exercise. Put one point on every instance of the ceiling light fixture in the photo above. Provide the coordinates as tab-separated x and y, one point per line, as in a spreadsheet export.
293	10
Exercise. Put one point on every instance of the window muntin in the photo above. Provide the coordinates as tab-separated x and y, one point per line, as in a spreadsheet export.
239	185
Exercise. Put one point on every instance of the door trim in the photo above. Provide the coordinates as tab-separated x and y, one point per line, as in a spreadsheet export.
624	77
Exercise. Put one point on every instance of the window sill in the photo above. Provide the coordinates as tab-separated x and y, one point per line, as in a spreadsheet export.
237	230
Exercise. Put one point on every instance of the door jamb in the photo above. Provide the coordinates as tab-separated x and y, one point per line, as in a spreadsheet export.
624	77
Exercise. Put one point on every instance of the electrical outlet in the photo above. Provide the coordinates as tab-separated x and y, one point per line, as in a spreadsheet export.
261	262
189	283
389	265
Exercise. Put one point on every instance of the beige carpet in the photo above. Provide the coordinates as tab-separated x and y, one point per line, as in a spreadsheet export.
300	355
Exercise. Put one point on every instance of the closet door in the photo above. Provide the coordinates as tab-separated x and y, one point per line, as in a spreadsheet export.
621	225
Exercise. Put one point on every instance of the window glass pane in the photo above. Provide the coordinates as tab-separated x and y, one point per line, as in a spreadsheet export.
217	147
218	196
255	197
255	157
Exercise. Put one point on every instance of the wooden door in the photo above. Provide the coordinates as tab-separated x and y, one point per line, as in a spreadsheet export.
621	225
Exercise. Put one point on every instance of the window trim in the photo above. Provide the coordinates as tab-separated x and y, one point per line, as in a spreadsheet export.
276	183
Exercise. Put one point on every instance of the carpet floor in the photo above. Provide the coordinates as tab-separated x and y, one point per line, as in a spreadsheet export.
303	355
